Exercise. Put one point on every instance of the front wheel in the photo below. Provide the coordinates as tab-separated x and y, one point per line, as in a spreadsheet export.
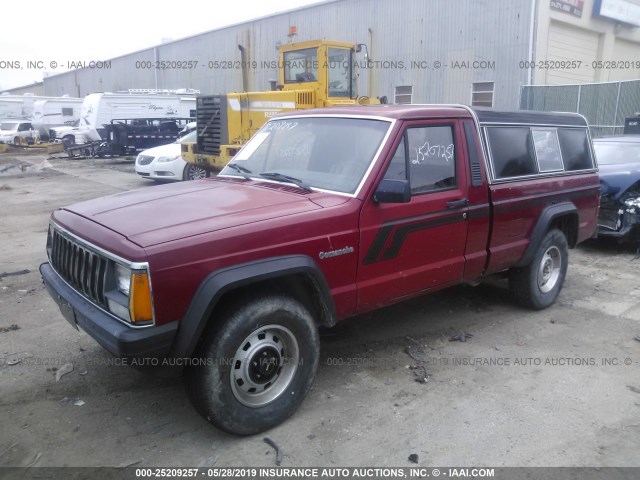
538	284
193	172
253	370
69	140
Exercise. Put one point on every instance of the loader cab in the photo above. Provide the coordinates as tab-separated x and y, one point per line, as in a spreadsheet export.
327	68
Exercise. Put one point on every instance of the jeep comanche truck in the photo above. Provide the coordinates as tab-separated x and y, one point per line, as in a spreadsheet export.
323	215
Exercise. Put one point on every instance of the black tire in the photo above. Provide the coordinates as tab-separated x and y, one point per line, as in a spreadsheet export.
276	329
103	151
69	140
16	141
193	172
537	285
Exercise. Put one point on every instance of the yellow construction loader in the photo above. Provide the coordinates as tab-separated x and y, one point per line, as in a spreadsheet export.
310	74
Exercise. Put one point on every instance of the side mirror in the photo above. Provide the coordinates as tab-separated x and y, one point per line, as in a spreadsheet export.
393	191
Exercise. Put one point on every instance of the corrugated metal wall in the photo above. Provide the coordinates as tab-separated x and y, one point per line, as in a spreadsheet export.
397	33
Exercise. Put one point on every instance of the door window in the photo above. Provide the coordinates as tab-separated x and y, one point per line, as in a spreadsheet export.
428	155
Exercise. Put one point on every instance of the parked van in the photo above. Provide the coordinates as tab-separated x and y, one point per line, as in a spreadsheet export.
98	109
16	131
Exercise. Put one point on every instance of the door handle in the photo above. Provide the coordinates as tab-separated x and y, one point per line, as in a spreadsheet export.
463	202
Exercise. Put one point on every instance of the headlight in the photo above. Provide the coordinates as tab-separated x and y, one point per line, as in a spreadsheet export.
632	202
167	159
123	279
131	298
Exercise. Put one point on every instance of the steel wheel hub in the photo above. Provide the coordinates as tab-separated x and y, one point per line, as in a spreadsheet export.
549	270
264	365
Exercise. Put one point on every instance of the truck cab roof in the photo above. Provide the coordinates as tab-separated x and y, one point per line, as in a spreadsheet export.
484	115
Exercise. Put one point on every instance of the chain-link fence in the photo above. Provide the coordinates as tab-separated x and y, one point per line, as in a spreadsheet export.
605	105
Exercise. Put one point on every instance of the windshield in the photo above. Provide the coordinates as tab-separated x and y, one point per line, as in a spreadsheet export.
8	125
610	153
301	66
329	153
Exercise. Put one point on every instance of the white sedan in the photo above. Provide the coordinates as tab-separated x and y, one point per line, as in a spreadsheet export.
166	163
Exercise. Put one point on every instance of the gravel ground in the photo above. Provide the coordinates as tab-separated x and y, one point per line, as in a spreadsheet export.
559	387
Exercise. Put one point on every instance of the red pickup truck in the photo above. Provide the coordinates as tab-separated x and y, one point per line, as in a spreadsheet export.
323	215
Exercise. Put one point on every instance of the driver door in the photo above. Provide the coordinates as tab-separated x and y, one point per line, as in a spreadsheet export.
407	248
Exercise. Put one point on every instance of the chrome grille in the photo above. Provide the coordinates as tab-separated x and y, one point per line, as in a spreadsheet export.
80	267
145	159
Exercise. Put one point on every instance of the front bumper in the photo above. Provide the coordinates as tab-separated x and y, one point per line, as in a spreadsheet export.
144	170
619	223
621	234
118	338
162	171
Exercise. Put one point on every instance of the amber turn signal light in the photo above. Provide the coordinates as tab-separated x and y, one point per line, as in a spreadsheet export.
140	304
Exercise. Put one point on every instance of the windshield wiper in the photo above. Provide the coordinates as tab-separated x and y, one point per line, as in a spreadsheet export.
286	178
241	170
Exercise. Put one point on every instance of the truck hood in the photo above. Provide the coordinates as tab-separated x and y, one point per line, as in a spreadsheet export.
163	213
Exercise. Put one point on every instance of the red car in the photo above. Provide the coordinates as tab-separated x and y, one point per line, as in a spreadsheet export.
323	215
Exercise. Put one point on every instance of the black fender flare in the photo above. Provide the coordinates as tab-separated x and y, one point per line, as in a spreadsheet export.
546	218
216	284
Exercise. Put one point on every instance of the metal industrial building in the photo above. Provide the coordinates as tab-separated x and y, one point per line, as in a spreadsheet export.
420	51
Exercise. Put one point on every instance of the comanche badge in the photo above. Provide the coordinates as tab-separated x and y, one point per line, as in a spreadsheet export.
336	253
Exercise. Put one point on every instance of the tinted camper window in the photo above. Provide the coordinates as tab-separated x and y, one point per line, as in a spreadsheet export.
511	151
574	145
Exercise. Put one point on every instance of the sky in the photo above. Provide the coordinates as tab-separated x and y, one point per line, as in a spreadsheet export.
97	30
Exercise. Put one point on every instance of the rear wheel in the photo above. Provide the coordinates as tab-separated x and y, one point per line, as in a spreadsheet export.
253	370
538	284
193	172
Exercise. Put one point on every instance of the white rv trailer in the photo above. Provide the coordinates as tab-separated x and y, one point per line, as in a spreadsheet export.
57	111
28	101
99	109
10	108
